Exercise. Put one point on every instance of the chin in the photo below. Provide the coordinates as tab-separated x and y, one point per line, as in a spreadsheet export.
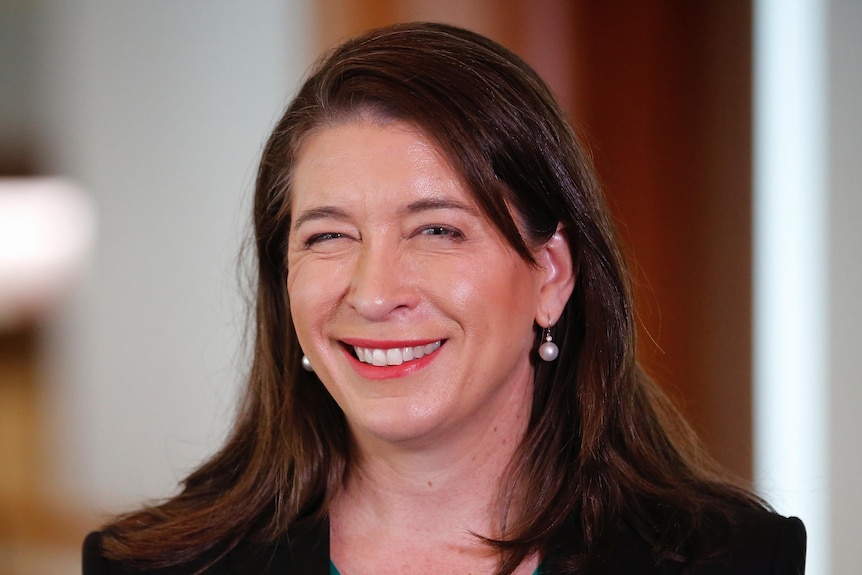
398	429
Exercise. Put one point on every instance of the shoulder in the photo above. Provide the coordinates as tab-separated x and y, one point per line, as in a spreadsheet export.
94	562
304	552
761	543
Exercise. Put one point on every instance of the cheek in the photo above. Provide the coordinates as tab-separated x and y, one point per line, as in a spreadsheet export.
301	321
493	295
304	298
452	285
506	285
315	288
463	291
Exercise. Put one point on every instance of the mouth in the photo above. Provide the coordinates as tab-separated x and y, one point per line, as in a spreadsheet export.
386	356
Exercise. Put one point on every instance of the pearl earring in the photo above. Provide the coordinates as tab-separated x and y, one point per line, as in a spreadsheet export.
306	365
548	351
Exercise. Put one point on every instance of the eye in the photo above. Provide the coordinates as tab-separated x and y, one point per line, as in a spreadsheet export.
317	239
441	231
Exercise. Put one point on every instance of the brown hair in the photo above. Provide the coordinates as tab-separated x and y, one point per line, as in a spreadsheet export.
603	445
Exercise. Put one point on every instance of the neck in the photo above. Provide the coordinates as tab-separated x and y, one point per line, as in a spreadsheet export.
435	488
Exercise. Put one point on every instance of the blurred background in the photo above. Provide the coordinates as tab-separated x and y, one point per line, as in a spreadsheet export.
727	136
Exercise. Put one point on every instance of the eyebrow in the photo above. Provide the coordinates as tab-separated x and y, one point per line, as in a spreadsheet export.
320	213
335	213
439	204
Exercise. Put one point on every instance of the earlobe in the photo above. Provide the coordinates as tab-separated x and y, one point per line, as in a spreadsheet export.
557	261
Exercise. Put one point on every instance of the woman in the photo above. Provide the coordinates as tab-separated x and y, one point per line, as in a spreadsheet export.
444	375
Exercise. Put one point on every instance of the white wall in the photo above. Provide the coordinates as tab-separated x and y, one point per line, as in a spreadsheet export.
16	82
845	284
159	109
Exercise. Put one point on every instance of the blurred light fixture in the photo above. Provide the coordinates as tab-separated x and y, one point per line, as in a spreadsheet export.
47	229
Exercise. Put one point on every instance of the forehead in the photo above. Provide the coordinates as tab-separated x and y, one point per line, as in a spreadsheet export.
365	156
341	140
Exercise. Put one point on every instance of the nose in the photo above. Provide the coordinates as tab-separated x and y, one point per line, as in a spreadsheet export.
382	283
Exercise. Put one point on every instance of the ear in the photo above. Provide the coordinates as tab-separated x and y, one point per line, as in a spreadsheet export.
555	258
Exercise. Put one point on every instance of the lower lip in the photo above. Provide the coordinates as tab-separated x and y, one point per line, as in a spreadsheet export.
382	372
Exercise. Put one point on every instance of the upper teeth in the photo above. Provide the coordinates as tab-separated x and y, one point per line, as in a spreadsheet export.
395	355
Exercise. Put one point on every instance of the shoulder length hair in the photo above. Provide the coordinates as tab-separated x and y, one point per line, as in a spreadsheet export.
603	444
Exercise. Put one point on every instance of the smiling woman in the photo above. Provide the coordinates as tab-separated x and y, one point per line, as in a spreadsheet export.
425	223
391	255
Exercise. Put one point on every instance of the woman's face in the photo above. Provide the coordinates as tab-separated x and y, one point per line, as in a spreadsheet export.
413	310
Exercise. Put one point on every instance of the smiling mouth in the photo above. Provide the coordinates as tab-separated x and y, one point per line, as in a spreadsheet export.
396	355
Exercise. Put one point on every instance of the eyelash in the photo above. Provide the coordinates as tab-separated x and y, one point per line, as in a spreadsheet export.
435	230
316	238
446	231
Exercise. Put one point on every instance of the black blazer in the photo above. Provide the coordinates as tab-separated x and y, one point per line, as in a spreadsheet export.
764	544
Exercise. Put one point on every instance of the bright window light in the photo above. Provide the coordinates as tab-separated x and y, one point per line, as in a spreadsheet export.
790	264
